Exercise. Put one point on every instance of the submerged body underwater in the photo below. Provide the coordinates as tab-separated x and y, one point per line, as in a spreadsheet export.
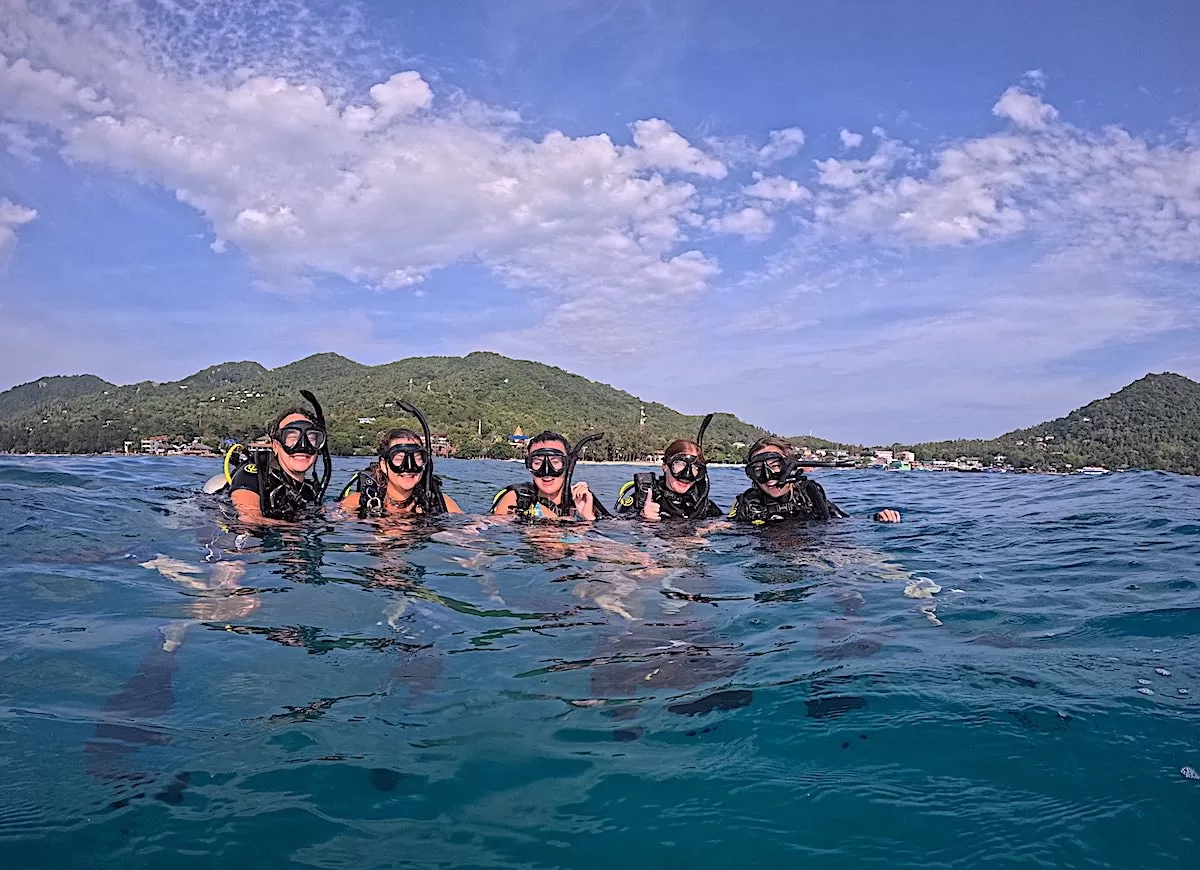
1009	677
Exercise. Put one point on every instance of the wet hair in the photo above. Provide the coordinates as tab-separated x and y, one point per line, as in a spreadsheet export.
545	437
385	439
769	441
273	426
683	445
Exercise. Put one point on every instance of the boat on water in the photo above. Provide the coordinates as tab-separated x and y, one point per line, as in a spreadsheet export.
899	465
1093	470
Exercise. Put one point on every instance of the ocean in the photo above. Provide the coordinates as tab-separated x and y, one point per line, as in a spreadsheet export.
1008	678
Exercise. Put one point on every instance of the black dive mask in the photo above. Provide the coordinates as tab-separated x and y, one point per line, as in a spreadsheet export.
406	458
546	462
766	468
685	467
300	437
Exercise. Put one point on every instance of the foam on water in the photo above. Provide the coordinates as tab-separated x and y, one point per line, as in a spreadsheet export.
952	691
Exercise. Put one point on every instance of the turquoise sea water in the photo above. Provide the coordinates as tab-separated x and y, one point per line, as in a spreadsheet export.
456	696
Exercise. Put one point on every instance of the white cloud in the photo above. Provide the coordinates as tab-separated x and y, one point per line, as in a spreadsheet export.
781	144
749	222
1106	194
383	189
1024	109
11	217
850	140
659	146
776	188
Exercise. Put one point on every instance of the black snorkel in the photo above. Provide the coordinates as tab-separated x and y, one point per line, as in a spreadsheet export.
702	484
573	454
322	482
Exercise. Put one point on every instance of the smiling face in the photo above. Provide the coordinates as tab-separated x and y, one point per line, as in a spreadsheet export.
294	465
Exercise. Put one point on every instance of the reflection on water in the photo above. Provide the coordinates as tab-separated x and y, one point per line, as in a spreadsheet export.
1009	676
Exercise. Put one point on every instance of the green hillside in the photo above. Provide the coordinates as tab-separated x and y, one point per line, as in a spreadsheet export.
1153	423
59	388
473	399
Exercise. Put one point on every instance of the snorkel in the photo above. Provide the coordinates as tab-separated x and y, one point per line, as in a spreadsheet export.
326	460
573	455
701	485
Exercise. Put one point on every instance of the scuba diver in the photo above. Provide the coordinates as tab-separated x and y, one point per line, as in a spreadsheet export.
551	460
781	491
271	484
401	481
681	492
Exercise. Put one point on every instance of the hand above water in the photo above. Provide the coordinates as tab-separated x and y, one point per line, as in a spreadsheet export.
651	510
887	516
584	502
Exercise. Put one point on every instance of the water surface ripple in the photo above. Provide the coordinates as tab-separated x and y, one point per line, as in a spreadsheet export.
462	694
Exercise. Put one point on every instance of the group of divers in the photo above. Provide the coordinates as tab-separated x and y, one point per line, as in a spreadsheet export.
281	483
284	481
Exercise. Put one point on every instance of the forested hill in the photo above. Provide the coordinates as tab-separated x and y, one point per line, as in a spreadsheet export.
58	389
1153	423
473	399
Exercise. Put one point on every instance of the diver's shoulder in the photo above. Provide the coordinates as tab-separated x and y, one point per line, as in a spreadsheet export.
245	477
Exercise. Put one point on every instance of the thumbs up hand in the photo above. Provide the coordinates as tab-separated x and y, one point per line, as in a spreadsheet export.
651	510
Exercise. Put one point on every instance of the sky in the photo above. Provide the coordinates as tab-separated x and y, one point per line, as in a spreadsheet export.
870	221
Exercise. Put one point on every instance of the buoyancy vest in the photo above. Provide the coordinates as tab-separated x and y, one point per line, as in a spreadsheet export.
372	495
280	496
532	504
805	501
632	498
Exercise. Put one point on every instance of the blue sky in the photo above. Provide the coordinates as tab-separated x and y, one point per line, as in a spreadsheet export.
870	221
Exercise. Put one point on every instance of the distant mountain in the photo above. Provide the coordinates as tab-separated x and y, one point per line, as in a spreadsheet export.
473	399
59	388
225	374
1153	423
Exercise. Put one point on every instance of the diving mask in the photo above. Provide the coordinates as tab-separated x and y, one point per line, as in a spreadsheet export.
300	437
546	462
766	468
685	467
406	458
